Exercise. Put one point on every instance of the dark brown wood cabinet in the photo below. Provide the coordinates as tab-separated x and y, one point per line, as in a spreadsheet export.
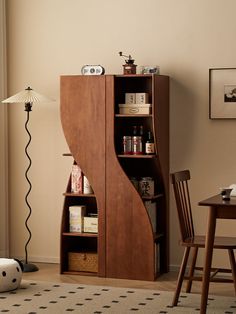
126	244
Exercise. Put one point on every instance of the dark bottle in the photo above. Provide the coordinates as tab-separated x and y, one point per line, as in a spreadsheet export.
149	145
141	134
141	130
135	130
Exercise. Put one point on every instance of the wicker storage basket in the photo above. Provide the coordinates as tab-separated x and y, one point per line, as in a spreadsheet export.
83	261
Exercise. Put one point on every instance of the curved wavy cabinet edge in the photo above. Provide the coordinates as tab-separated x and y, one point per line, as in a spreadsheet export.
83	122
129	236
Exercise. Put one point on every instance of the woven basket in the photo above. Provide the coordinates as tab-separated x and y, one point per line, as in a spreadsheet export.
83	261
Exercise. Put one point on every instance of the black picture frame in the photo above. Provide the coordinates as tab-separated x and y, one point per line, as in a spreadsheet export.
222	93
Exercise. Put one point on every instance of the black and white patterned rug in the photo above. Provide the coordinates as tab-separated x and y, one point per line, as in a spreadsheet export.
52	298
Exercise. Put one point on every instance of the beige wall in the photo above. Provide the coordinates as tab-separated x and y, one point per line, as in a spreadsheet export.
48	38
4	244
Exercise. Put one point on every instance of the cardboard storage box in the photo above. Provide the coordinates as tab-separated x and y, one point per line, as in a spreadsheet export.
130	98
83	261
76	220
141	98
91	224
152	212
134	108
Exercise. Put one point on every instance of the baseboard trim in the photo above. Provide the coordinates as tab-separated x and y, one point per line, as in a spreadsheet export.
3	254
56	260
174	268
40	259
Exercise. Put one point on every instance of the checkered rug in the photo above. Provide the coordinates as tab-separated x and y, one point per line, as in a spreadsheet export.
53	298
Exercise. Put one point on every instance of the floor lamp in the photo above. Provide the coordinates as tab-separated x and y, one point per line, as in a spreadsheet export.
28	97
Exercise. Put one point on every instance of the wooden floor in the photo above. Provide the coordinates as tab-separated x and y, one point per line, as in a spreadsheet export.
166	282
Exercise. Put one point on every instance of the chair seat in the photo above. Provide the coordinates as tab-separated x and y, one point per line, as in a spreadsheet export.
219	242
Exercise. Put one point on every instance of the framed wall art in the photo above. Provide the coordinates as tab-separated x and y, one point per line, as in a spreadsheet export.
222	93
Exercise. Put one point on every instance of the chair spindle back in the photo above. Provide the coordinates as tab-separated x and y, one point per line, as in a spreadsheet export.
181	191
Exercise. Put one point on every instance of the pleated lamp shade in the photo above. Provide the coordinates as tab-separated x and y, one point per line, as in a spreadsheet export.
26	96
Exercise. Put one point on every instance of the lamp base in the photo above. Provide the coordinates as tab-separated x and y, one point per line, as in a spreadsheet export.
28	267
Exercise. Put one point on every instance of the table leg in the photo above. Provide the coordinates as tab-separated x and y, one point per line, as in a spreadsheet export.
210	235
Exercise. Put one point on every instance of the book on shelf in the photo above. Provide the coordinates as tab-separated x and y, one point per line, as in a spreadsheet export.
76	179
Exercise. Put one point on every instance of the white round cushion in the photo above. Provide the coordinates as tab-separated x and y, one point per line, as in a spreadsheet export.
10	274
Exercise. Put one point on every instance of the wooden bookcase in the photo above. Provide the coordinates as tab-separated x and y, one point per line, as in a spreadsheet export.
126	244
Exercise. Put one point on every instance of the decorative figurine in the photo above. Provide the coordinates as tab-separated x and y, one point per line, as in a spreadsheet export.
129	67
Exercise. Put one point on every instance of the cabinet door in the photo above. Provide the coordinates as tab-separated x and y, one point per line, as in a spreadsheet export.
129	236
83	122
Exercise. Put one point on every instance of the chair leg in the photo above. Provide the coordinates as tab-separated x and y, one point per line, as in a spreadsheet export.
181	276
191	270
233	267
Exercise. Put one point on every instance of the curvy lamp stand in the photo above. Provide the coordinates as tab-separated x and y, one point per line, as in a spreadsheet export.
28	267
28	97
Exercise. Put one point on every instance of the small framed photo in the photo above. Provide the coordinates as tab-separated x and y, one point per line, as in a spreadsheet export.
222	93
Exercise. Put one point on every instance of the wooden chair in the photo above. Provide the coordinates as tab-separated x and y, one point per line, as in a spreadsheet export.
191	241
